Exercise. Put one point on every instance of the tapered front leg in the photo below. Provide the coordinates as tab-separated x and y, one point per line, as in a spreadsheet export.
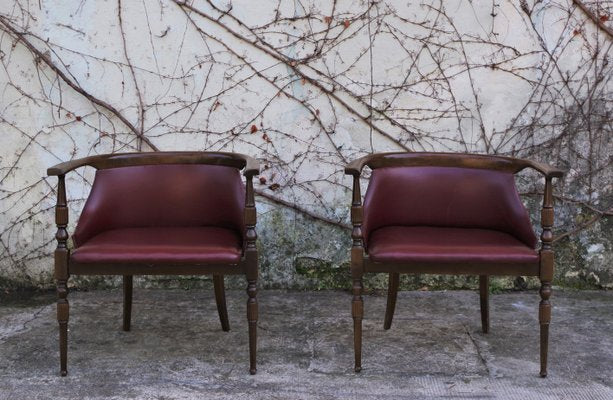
392	294
62	319
252	320
357	312
484	293
127	301
544	320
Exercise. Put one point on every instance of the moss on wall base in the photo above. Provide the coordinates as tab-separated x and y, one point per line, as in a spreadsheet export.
299	253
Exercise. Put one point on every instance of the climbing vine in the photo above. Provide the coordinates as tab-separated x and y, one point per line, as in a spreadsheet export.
304	85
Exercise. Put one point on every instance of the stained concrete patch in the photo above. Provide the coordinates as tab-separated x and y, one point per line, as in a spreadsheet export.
176	349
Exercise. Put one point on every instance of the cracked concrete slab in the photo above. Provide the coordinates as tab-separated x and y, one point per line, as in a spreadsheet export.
435	348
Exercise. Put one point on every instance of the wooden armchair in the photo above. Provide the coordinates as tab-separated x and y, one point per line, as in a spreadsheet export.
170	213
442	213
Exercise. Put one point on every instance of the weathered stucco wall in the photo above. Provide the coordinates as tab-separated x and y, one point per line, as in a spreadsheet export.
306	86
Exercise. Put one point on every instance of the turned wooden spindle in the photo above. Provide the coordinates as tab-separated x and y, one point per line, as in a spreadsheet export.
61	271
251	255
546	271
357	271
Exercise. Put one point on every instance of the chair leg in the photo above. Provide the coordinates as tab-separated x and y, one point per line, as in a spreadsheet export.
62	319
220	299
484	294
252	319
357	311
544	319
392	294
127	301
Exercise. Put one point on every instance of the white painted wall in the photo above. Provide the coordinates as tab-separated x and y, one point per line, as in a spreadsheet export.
505	76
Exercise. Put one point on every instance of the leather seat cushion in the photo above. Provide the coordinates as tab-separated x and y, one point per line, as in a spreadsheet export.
161	245
425	244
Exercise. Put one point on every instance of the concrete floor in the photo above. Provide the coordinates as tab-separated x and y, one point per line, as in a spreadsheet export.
176	349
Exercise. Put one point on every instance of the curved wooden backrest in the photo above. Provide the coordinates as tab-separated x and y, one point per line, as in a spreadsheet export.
479	161
116	160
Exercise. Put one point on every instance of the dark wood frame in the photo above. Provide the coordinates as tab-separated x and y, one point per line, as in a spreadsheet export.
248	264
361	263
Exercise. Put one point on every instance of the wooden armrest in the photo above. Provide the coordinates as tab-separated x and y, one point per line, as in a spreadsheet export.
356	166
547	170
252	166
65	167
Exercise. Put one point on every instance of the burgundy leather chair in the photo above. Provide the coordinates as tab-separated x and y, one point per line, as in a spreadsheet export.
442	213
170	213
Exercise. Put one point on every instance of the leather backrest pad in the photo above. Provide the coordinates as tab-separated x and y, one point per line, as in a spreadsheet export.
176	195
446	197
